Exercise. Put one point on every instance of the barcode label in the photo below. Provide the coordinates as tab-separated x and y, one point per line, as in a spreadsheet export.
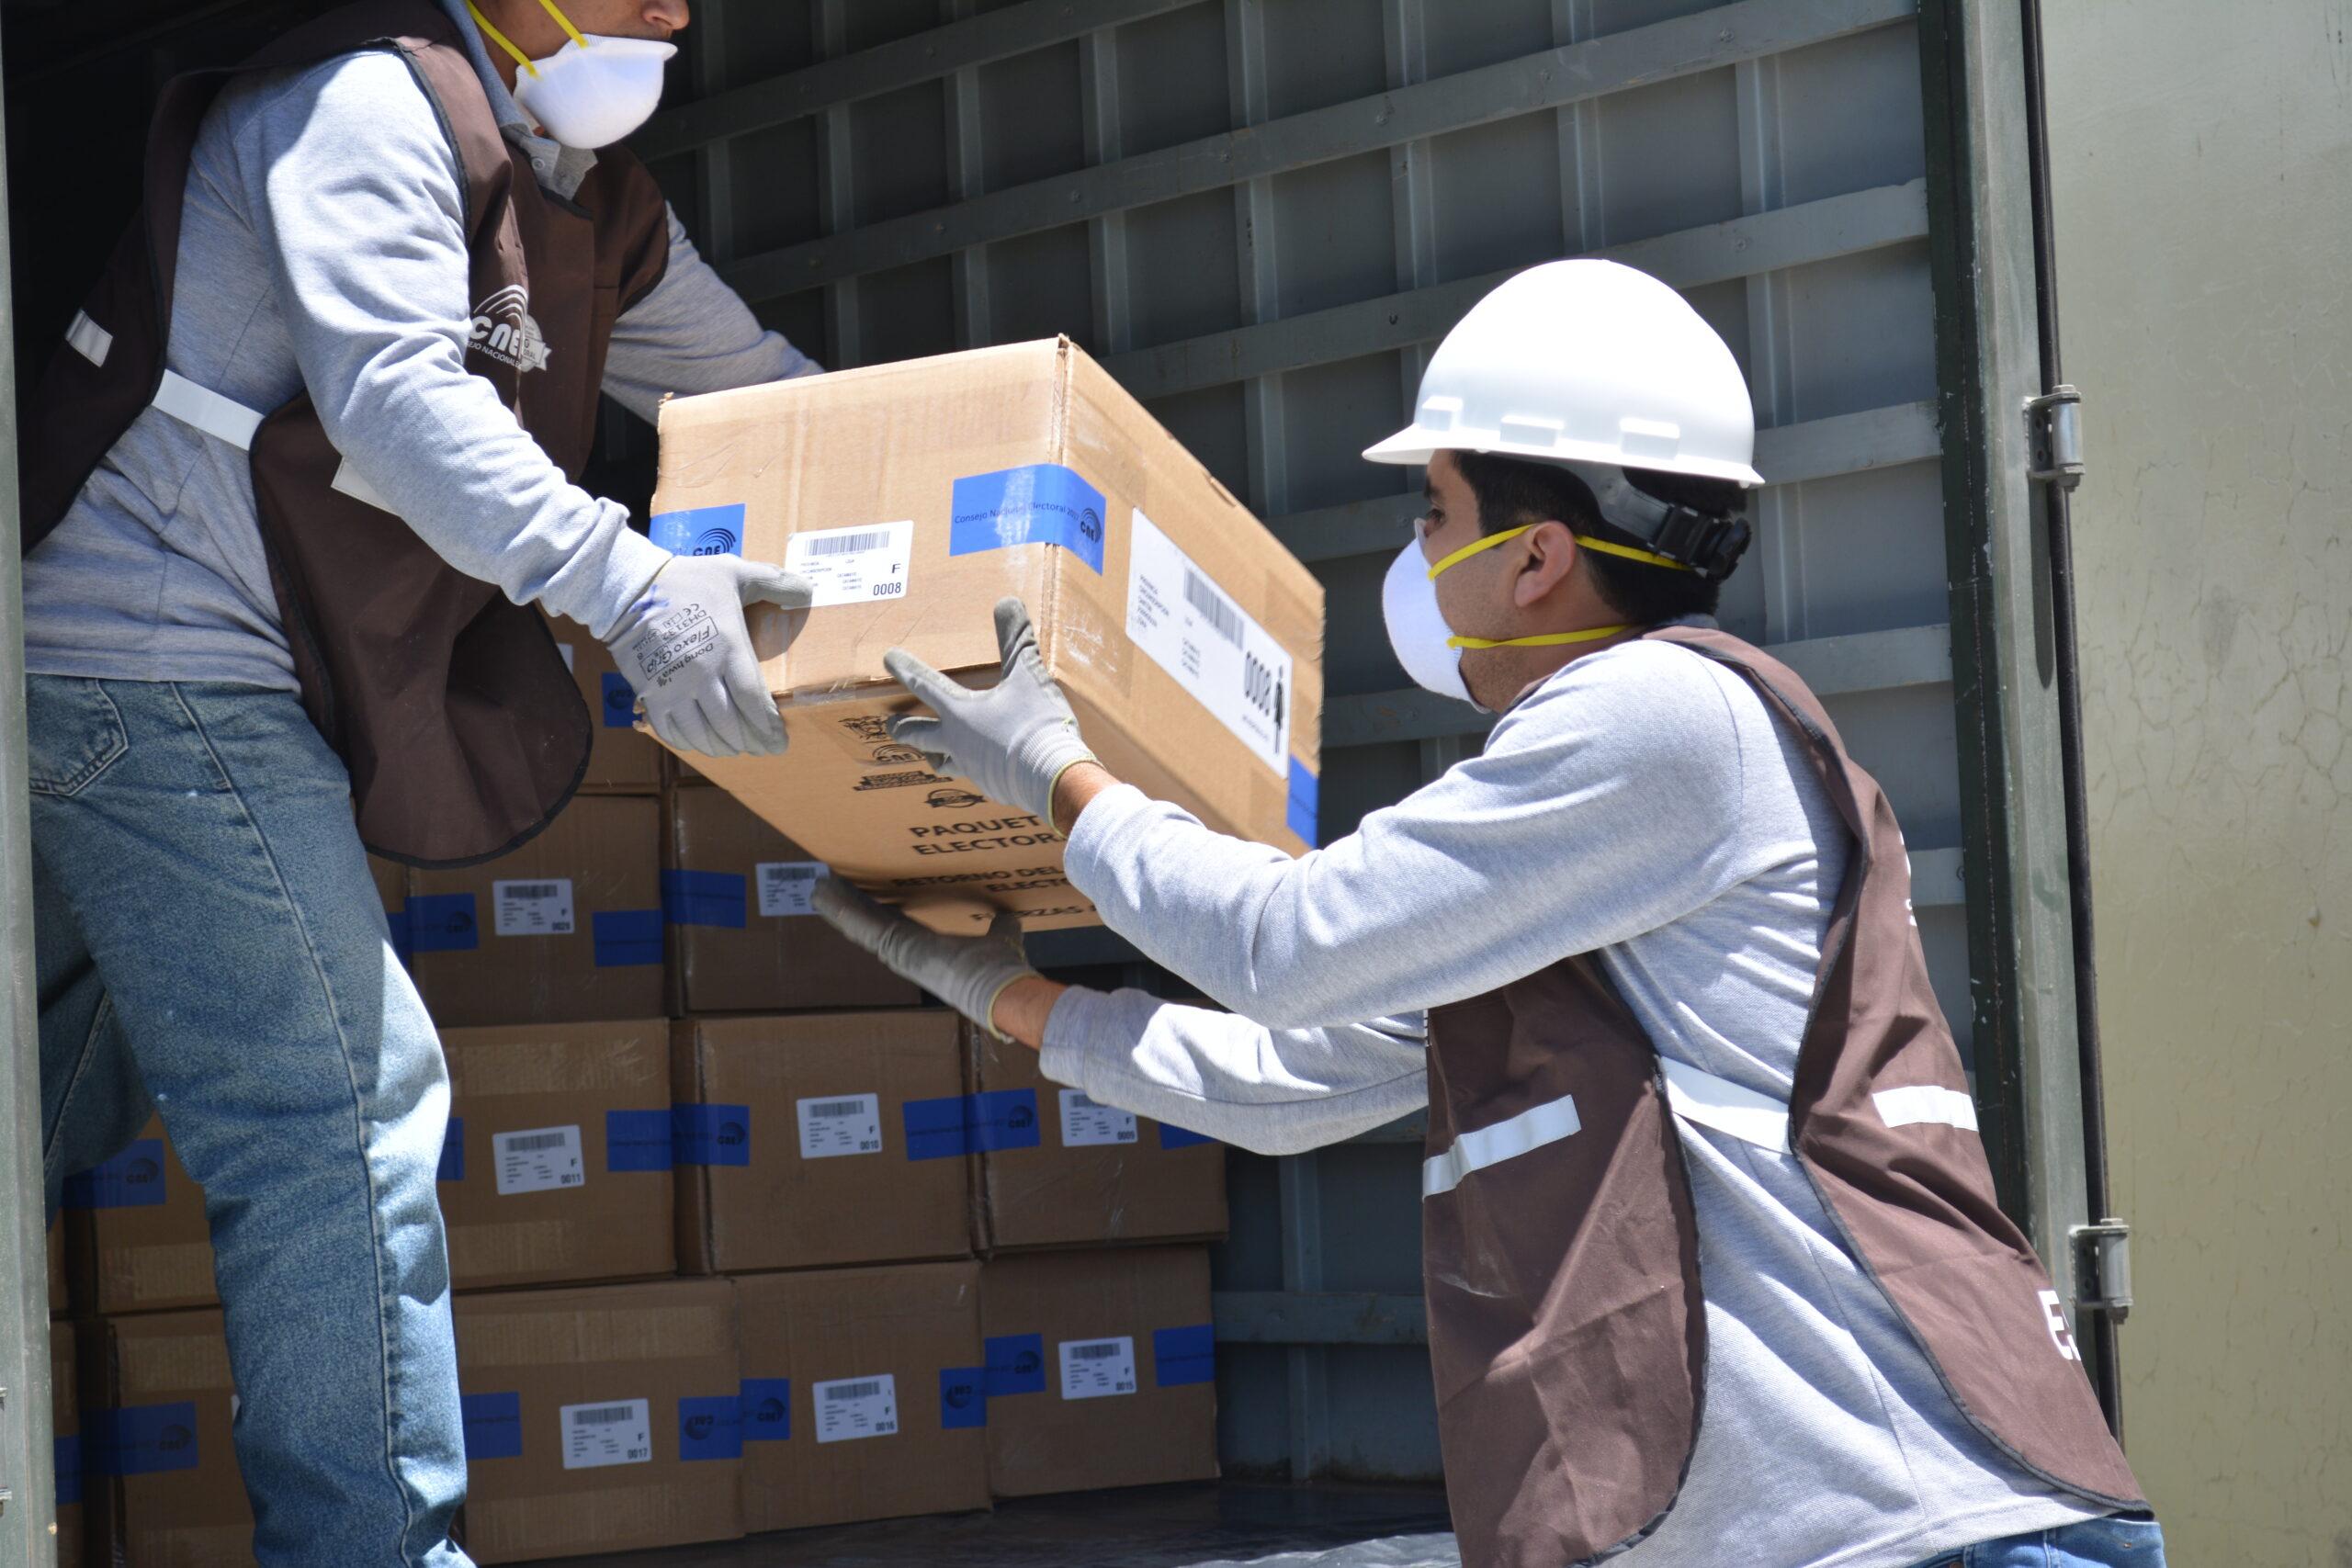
1086	1124
598	1434
1214	607
857	1407
842	1124
849	544
544	1160
862	565
788	886
533	909
1197	632
1098	1369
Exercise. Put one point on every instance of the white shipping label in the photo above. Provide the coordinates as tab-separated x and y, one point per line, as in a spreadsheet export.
1085	1122
843	1124
569	662
545	1159
1096	1369
853	566
787	886
1192	629
598	1434
533	909
857	1407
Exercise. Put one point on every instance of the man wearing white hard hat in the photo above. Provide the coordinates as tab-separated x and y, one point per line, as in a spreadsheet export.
303	474
1714	1269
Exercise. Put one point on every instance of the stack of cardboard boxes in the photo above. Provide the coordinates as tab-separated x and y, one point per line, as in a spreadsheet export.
745	1232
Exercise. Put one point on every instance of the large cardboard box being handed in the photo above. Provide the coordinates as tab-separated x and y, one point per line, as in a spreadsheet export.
914	496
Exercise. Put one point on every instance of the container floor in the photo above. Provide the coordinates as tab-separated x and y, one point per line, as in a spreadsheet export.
1218	1526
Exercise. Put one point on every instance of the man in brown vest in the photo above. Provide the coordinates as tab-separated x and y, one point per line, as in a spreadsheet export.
1714	1265
304	474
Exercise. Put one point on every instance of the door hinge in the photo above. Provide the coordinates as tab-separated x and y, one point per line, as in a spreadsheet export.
2103	1267
2055	427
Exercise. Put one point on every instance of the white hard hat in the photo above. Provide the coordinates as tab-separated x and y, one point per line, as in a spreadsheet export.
1585	362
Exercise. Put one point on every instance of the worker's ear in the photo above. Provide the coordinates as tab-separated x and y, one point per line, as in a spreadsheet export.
1549	556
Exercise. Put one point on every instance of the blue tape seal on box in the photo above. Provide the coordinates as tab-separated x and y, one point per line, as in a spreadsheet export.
443	922
453	1152
396	928
620	701
141	1440
1016	1364
963	1397
627	939
1044	503
702	531
637	1140
132	1179
1178	1138
767	1409
493	1426
66	1456
970	1123
1304	809
710	1135
704	899
1004	1119
711	1427
1180	1356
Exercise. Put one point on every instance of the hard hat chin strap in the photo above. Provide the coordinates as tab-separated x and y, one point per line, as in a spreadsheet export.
1708	546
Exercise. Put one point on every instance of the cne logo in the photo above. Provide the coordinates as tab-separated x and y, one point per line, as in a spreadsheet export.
2053	1312
504	329
770	1412
713	542
1090	525
141	1172
699	1428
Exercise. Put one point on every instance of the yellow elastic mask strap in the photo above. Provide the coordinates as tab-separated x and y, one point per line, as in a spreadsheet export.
1648	557
502	41
1549	639
1466	551
565	23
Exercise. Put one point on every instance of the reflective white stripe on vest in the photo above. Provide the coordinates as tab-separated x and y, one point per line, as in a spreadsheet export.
1531	1129
1725	1106
91	341
347	481
223	419
1925	1102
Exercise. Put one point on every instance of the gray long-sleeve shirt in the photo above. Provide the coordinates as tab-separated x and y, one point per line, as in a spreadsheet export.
322	247
1642	804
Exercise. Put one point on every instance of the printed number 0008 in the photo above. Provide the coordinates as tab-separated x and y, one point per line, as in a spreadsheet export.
888	590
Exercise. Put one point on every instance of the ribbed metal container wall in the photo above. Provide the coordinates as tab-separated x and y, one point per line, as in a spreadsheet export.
1261	214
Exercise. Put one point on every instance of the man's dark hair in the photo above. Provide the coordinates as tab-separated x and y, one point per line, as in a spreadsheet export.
1513	491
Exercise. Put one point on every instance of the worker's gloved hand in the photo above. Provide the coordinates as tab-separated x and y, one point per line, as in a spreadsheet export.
1014	739
686	650
967	972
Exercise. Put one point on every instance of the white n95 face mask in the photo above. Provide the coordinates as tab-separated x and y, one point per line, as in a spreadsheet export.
592	92
1417	628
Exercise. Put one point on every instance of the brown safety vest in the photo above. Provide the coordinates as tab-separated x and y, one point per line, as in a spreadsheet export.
450	705
1567	1332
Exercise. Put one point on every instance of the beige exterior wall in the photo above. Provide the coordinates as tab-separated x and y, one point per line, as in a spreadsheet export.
2203	179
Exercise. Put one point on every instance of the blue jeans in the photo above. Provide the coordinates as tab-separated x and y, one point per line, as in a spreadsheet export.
210	944
2096	1543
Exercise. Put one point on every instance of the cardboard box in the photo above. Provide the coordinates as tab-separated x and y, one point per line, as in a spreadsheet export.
159	1459
742	936
565	930
622	759
137	1238
864	1394
557	1166
600	1419
917	494
1101	1369
391	890
1079	1174
65	1424
821	1139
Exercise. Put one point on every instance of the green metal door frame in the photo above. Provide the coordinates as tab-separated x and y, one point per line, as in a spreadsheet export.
2005	692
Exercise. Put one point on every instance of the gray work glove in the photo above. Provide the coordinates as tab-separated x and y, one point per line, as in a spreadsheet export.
1014	739
686	649
967	972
